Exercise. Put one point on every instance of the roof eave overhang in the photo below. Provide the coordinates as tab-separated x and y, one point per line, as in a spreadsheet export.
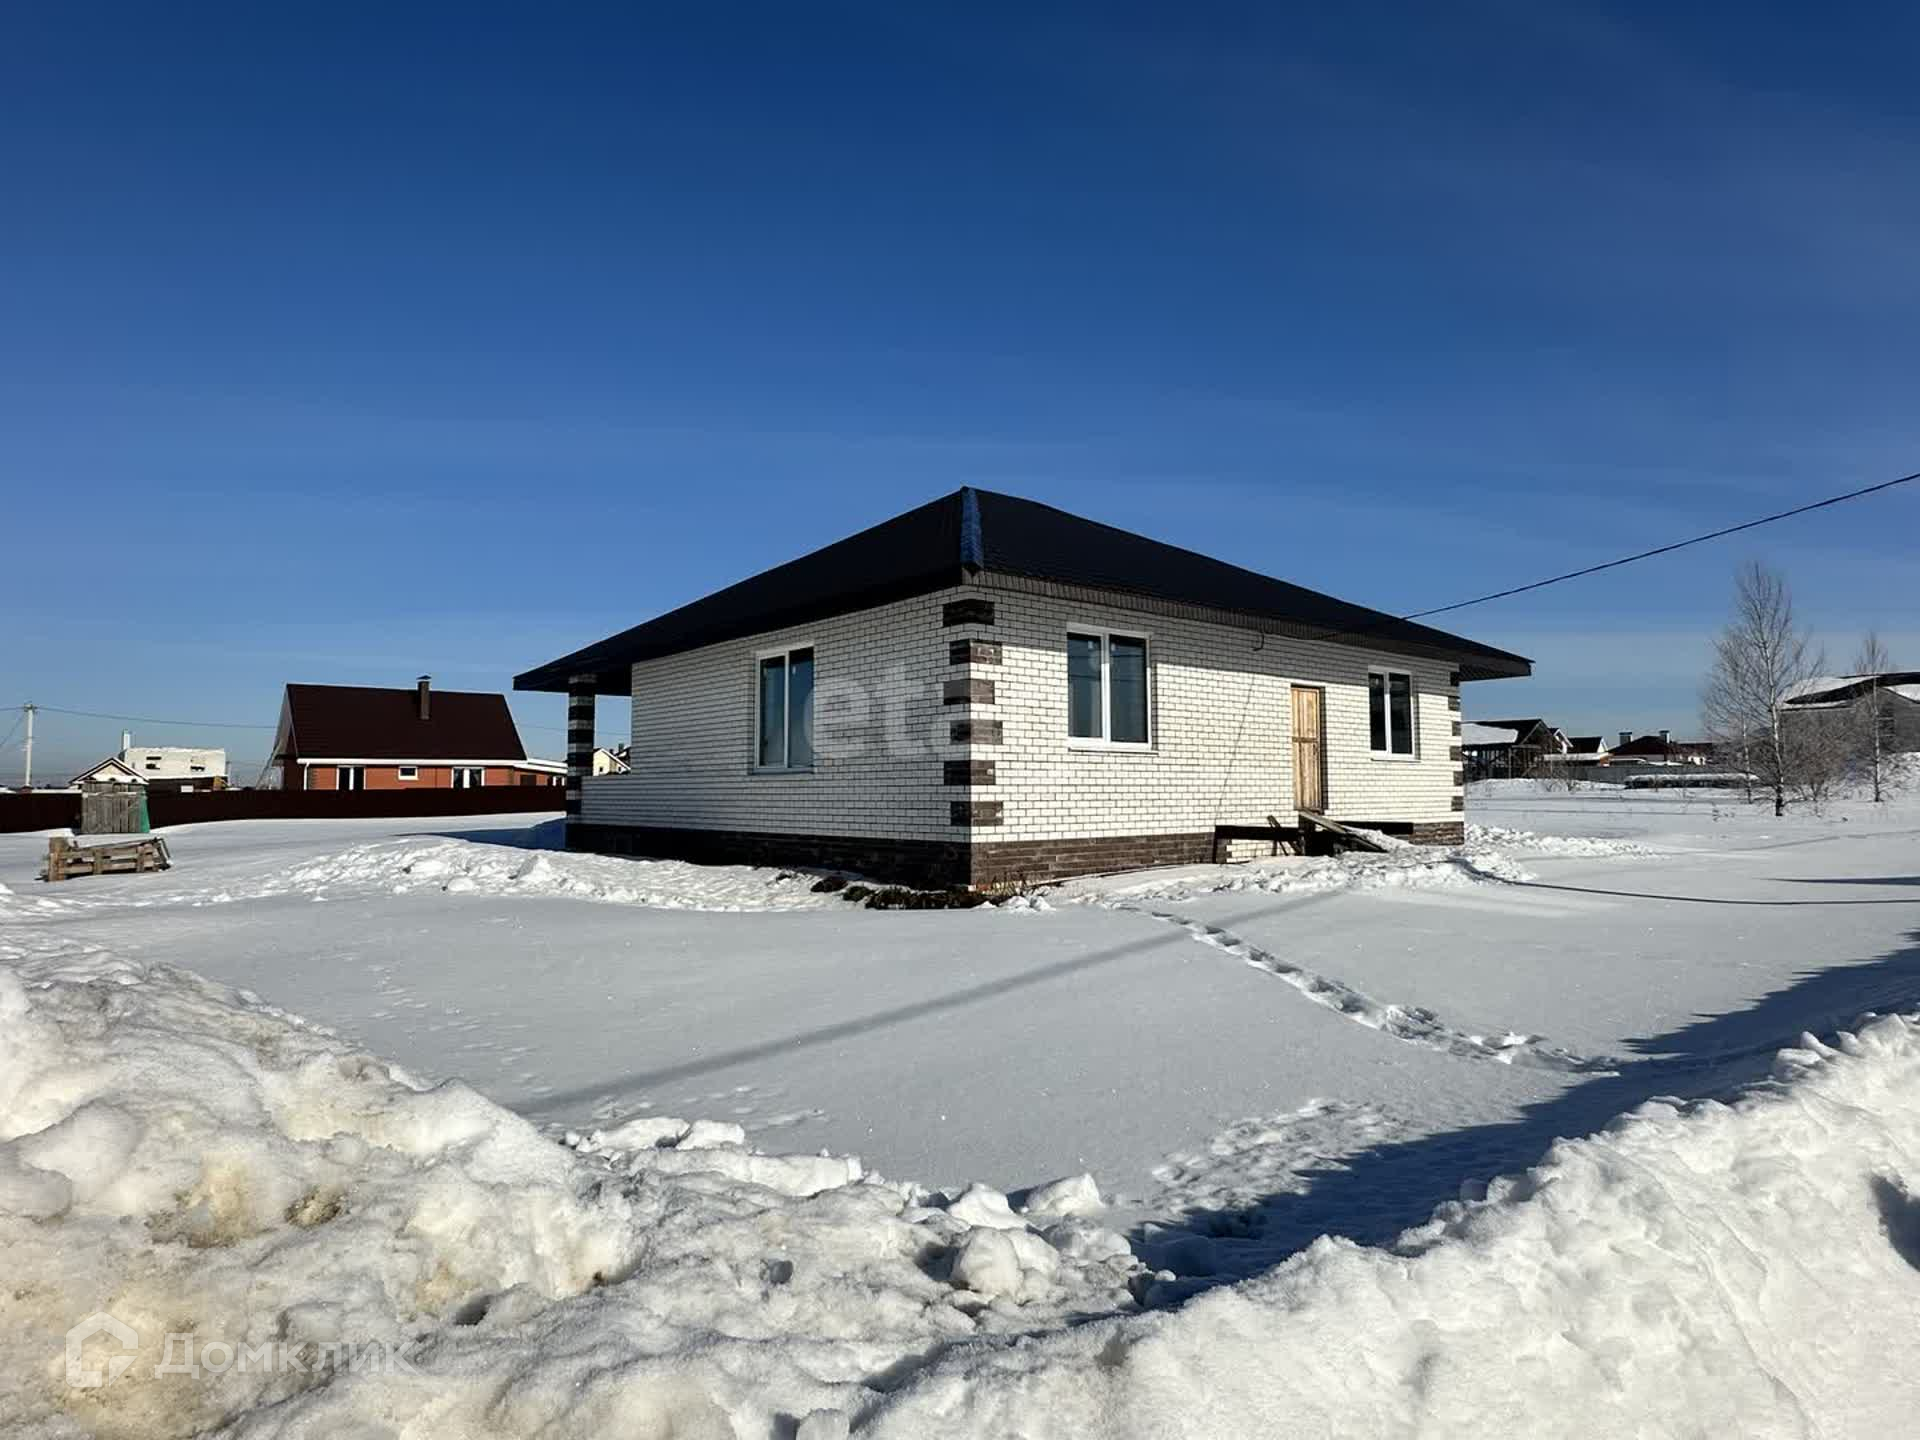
610	662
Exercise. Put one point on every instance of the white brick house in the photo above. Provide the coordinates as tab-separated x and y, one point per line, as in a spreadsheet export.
986	689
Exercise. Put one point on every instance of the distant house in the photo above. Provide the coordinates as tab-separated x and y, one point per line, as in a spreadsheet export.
1508	749
160	767
985	690
1586	750
362	737
1660	748
610	761
1897	692
110	771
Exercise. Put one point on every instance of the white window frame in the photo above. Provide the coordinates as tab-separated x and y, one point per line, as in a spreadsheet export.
406	772
1386	700
1100	741
340	776
782	652
479	772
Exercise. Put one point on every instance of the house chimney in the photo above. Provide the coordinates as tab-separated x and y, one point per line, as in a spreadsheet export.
126	743
424	687
1626	737
1663	737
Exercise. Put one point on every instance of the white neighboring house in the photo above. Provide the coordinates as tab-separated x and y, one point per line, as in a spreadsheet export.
986	690
608	762
165	767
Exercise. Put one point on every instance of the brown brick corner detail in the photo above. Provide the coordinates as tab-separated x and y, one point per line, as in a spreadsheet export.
973	652
967	772
967	612
1459	802
974	812
1446	832
977	732
1453	702
967	692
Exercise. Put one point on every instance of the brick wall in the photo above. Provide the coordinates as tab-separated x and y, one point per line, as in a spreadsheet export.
880	733
428	777
1221	730
943	719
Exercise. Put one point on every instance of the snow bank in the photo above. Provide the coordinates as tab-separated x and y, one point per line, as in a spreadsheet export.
1491	837
466	867
1745	1269
1409	866
335	1249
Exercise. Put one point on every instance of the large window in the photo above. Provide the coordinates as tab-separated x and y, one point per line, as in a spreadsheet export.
784	739
1106	688
1390	712
468	777
350	777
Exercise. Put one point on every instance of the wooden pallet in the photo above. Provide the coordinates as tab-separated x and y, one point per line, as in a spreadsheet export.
66	859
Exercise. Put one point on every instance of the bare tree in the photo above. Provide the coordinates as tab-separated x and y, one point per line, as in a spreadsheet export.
1870	711
1759	660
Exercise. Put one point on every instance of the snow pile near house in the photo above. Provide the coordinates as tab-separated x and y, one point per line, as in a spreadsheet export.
1403	866
466	867
1499	837
1713	1269
340	1251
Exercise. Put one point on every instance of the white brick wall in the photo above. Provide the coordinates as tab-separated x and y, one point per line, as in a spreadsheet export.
1221	727
880	730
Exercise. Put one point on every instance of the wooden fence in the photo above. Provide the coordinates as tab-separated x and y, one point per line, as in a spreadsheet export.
42	810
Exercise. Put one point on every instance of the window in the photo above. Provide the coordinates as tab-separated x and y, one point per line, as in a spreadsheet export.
784	727
1107	687
468	777
1390	712
350	777
408	772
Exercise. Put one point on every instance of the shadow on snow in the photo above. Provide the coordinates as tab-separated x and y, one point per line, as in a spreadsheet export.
1373	1196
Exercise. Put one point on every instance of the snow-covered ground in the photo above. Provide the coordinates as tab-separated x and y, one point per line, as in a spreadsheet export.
1243	1058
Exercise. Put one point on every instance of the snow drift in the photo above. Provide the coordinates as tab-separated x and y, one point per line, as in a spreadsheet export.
195	1163
1745	1269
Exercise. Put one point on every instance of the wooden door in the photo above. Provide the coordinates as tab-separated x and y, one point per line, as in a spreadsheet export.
1309	749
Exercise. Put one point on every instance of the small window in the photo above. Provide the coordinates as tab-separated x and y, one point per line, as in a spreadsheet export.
1390	712
408	772
784	723
1107	683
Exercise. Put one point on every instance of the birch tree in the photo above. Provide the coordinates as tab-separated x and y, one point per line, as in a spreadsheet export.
1870	710
1759	659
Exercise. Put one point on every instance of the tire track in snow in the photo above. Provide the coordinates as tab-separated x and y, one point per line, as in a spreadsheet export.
1411	1024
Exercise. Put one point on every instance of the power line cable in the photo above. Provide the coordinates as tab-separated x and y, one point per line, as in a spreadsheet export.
1667	549
151	720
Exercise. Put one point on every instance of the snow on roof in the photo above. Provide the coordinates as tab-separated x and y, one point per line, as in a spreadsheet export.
1473	732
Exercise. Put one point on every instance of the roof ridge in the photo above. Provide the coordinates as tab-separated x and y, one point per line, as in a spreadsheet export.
972	547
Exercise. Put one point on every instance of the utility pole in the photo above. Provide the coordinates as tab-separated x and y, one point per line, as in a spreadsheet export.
27	783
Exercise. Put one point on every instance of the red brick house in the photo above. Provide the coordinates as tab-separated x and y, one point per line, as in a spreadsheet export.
364	737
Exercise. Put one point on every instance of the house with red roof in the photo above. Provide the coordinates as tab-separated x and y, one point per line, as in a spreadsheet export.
365	737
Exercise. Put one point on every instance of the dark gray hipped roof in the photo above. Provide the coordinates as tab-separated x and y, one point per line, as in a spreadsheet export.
971	534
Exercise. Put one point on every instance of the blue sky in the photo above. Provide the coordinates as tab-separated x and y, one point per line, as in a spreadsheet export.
346	342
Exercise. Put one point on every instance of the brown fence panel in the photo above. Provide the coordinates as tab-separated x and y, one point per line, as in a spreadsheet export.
183	808
39	810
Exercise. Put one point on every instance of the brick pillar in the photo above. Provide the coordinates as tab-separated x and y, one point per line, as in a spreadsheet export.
580	692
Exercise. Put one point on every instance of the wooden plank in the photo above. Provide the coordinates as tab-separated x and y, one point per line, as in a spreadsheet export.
1334	827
